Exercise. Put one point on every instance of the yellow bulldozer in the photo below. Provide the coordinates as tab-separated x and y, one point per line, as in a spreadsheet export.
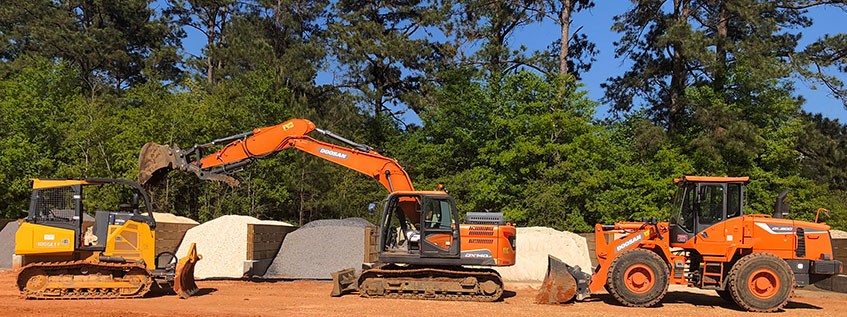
60	256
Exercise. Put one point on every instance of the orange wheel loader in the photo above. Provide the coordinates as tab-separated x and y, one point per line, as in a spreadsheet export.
60	256
423	249
753	260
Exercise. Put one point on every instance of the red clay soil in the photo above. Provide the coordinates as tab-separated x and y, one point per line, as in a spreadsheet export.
243	298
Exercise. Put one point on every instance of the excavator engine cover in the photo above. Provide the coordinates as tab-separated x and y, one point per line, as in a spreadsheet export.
562	283
154	163
184	285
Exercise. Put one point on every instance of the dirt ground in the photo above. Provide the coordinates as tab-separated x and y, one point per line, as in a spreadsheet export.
298	298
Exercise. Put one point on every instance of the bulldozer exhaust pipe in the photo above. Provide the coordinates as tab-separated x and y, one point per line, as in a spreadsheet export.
562	283
156	160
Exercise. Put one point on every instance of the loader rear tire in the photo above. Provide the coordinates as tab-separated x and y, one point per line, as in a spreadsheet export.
761	282
638	278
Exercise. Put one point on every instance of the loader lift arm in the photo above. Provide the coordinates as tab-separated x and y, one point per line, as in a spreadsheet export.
242	149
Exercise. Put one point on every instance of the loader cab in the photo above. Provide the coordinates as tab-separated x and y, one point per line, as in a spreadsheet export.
702	202
434	233
62	203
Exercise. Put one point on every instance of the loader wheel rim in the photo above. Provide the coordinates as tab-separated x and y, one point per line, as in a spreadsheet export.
763	283
639	278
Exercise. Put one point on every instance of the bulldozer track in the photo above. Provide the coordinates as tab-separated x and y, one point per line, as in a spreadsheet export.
431	276
80	270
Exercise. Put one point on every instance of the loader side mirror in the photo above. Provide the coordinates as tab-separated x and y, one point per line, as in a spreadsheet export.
371	207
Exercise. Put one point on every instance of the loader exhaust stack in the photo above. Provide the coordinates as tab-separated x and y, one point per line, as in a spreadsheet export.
562	283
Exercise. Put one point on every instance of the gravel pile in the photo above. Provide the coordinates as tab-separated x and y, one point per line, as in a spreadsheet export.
7	244
838	234
533	246
223	244
320	248
346	222
171	218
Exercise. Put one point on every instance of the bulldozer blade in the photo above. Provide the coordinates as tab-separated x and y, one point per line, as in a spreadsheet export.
344	281
184	284
154	163
562	283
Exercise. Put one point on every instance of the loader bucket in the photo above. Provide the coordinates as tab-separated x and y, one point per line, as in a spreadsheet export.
154	163
562	283
184	285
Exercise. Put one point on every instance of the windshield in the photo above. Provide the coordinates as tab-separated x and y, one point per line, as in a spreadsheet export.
682	213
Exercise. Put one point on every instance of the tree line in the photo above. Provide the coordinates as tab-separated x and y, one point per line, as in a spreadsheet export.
708	90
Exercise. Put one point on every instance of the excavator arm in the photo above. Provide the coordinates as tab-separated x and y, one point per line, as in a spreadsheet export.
155	160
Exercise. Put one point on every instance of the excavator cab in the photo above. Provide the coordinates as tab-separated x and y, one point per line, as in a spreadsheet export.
432	233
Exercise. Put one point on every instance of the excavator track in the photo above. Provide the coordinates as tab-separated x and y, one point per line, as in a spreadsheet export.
83	280
453	284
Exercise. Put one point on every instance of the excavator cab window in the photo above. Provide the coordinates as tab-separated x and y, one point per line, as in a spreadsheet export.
438	214
398	233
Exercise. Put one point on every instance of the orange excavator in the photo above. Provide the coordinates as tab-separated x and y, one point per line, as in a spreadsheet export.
423	250
753	260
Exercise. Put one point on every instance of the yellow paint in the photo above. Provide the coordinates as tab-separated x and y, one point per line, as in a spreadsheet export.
132	241
41	239
52	183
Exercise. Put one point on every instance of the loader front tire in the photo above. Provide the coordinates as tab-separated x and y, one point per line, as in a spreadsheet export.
638	278
761	282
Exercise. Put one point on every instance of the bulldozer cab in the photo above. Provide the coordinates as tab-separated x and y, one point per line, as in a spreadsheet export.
62	203
700	203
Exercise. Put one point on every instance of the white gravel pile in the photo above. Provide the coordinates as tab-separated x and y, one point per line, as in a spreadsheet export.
838	234
171	218
533	246
223	244
320	248
7	244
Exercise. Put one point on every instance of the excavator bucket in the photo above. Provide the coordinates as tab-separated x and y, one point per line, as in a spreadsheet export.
154	163
184	285
562	283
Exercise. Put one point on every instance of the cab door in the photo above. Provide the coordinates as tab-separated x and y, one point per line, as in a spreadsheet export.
711	237
440	229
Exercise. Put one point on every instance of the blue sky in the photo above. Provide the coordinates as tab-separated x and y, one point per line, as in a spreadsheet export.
596	24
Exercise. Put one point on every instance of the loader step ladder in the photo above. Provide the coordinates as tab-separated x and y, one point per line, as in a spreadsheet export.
712	275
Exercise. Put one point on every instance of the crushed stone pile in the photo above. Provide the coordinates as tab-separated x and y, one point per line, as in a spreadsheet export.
838	234
7	244
171	218
321	247
533	246
223	244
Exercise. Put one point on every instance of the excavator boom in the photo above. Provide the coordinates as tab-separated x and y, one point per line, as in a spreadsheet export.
155	160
